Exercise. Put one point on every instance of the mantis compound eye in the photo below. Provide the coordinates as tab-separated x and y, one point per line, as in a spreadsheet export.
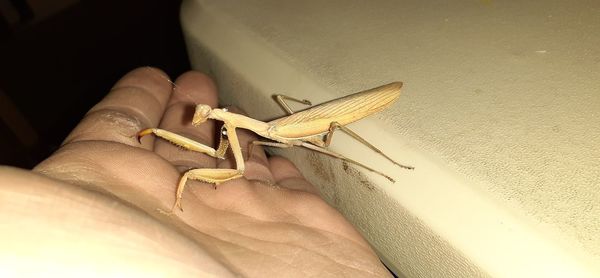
224	132
201	114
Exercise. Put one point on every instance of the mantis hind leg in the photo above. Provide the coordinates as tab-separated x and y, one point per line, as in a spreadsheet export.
337	155
335	125
319	149
282	98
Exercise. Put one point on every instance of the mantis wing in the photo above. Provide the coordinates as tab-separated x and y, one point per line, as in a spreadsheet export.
317	119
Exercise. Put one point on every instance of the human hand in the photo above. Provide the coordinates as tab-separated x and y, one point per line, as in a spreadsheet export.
92	206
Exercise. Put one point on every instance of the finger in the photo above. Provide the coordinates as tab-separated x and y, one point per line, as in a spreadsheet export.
191	88
287	175
136	101
257	165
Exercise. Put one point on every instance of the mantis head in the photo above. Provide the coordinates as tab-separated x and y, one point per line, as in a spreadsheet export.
201	114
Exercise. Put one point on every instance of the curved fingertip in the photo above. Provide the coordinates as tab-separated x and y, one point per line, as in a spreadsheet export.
137	100
146	78
189	90
142	92
154	70
195	76
196	87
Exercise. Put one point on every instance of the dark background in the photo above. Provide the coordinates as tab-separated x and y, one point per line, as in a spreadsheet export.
54	69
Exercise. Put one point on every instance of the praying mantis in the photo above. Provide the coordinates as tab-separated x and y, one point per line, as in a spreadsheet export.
312	128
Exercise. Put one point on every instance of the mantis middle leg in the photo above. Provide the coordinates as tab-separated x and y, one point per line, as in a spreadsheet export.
322	150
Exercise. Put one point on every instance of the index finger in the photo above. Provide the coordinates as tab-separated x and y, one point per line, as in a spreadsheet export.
137	100
191	88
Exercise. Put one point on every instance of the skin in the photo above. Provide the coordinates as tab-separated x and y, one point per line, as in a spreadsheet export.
92	207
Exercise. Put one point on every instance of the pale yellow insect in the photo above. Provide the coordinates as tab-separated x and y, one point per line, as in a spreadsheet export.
312	128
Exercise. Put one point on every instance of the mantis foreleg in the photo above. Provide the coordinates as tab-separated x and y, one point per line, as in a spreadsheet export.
209	175
185	142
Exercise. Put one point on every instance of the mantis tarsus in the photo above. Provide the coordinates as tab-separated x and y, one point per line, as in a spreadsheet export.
312	128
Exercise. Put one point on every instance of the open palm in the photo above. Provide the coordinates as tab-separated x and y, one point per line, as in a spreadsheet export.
101	191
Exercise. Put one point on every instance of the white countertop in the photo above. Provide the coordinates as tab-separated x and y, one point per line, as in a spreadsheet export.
500	115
